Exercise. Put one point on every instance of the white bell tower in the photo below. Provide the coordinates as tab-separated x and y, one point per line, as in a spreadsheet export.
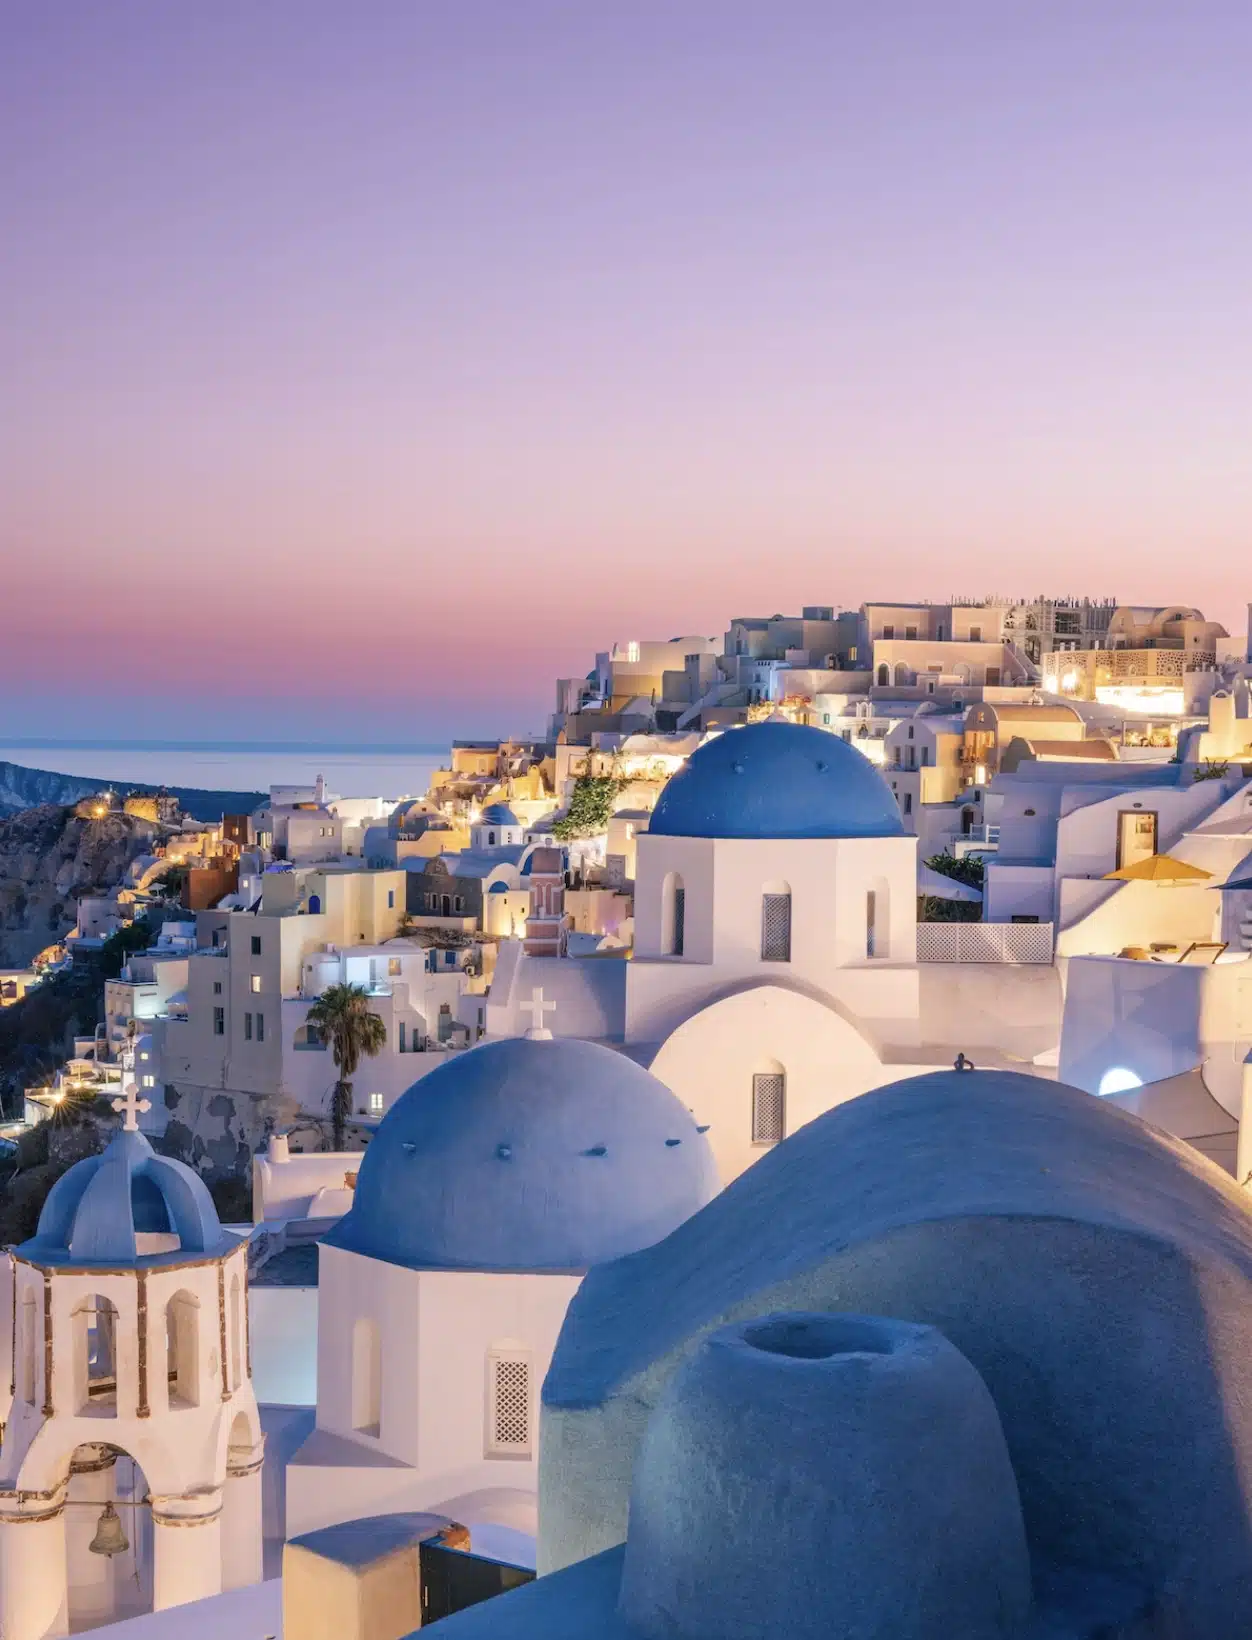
130	1468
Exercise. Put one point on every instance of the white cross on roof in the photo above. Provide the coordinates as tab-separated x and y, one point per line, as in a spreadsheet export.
537	1007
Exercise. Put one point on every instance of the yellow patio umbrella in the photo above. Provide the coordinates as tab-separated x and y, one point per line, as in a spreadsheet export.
1158	868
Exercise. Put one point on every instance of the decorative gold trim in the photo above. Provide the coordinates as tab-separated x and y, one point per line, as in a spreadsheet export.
143	1410
122	1269
221	1327
32	1520
47	1344
185	1520
235	1472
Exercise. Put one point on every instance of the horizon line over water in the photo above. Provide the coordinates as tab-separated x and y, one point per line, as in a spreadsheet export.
350	770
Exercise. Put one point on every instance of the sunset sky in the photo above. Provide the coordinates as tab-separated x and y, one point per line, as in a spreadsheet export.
365	366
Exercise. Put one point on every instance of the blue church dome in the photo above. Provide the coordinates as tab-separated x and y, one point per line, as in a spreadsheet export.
528	1155
498	814
95	1211
776	780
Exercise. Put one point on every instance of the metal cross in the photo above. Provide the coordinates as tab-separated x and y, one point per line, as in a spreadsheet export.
130	1102
537	1007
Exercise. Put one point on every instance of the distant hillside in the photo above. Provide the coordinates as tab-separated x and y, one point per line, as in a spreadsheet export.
22	788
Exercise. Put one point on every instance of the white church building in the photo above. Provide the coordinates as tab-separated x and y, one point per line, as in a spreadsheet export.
775	971
489	1189
130	1470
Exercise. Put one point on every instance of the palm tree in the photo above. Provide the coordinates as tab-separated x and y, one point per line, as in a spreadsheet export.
342	1015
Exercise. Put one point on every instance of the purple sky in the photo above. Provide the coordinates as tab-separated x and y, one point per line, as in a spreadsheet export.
363	367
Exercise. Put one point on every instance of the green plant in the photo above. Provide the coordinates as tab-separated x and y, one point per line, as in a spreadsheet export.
1213	768
590	805
968	869
342	1014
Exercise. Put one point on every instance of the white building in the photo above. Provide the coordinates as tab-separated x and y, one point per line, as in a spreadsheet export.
486	1193
130	1467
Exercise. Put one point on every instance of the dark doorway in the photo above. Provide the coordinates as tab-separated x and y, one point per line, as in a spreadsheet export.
453	1579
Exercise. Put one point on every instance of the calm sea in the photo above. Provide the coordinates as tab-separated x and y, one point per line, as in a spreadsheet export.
350	771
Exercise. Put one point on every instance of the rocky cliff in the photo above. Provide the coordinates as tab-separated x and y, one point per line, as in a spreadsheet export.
23	788
51	857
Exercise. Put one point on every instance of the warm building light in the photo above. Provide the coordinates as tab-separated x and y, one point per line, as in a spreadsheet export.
1139	698
1119	1080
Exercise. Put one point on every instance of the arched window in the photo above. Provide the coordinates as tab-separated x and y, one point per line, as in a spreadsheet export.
673	915
491	838
878	920
902	674
776	923
447	905
95	1356
769	1103
236	1334
367	1376
967	821
509	1420
182	1349
884	675
315	905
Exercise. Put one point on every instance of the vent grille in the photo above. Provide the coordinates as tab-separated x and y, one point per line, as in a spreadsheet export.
769	1100
508	1419
776	928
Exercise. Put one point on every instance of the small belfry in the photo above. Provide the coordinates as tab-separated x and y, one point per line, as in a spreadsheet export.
130	1469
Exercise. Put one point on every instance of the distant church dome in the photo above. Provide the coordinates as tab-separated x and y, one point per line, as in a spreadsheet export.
777	780
97	1211
528	1155
498	814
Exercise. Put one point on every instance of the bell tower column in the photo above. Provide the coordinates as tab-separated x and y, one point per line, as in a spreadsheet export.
187	1548
241	1516
32	1569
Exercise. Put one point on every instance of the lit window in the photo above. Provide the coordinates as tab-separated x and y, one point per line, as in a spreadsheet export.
393	965
256	985
149	1081
376	1104
632	653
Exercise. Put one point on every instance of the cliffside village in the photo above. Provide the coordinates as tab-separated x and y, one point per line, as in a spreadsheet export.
1087	756
990	862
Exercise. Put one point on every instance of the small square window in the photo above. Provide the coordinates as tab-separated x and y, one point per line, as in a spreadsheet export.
217	987
393	965
376	1104
254	985
149	1081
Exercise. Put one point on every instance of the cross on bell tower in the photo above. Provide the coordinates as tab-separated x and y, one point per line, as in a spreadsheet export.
130	1102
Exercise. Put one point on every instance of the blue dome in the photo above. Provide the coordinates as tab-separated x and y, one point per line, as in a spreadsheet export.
95	1211
528	1155
498	814
776	780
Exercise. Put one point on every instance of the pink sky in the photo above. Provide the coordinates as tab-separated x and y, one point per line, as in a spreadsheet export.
362	370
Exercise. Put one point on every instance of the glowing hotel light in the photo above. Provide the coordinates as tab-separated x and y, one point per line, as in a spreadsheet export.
1119	1080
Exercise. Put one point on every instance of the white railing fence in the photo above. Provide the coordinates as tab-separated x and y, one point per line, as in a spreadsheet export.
985	942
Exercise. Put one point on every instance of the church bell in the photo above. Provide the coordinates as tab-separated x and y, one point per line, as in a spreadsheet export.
110	1538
